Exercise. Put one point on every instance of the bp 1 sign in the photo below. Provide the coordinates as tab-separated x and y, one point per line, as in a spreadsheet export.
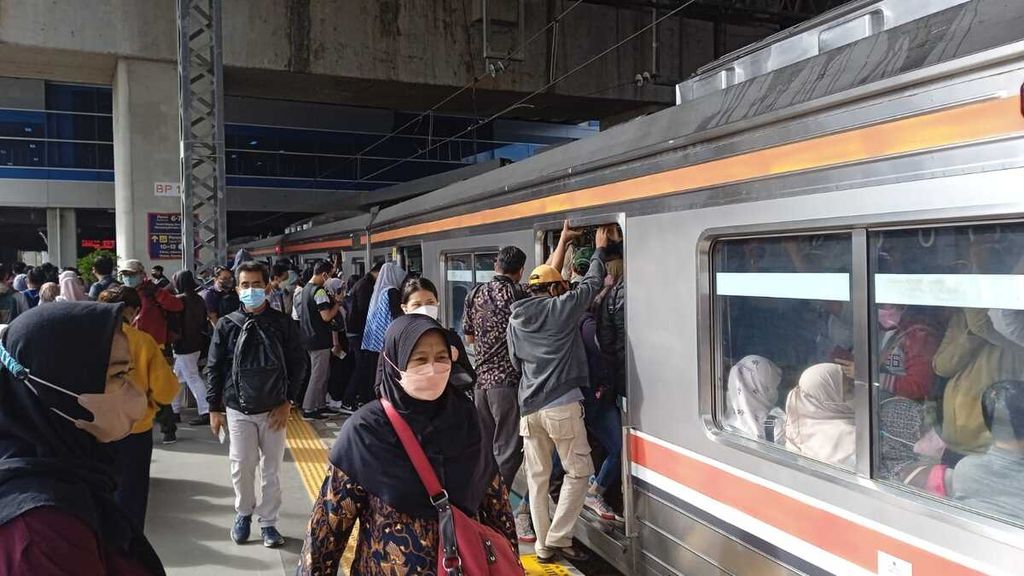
167	189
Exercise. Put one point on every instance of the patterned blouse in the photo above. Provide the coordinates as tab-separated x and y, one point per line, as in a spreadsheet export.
390	543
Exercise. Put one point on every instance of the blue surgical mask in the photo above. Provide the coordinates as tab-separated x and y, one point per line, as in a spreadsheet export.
253	298
131	281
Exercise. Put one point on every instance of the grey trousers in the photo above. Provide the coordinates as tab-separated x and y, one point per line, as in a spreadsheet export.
499	417
319	374
253	444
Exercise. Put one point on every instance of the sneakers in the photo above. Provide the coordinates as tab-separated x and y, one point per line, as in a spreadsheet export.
272	538
170	437
240	531
572	554
524	528
203	420
313	415
596	504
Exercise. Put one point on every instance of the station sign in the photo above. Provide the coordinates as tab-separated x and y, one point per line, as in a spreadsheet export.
167	189
164	235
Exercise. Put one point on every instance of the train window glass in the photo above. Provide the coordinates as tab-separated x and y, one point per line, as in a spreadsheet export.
463	272
948	363
784	336
412	260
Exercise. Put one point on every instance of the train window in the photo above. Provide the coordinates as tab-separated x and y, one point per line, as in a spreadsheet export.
948	363
785	342
412	260
463	271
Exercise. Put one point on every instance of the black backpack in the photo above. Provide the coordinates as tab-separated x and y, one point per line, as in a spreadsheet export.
259	362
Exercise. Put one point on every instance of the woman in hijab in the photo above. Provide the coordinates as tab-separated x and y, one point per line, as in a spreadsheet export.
70	288
752	393
819	421
372	480
193	338
57	508
385	306
899	428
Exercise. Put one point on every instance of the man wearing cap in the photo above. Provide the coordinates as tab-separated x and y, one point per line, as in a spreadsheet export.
157	303
545	345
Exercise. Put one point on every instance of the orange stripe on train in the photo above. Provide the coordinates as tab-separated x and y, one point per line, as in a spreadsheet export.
986	120
845	538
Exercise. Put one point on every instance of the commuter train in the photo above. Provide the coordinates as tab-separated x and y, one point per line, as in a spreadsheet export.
868	159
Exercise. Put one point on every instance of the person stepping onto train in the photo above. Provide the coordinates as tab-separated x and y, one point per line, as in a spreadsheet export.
256	366
546	346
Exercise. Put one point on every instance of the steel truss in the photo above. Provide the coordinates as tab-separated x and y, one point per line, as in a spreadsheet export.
201	131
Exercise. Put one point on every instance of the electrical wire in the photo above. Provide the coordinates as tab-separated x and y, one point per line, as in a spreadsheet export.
522	101
476	80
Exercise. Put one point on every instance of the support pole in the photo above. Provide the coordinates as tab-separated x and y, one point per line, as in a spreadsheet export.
201	129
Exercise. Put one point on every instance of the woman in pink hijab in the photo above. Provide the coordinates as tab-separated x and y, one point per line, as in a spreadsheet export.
71	289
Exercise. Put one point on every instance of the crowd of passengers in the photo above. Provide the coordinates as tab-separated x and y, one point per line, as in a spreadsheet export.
76	422
949	385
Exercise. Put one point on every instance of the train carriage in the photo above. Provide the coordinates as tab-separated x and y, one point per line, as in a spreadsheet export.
871	159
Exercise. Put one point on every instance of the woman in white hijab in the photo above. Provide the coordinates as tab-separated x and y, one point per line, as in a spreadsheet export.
820	423
70	288
752	394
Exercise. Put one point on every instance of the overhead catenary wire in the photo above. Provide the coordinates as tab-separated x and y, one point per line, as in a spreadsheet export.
522	101
503	63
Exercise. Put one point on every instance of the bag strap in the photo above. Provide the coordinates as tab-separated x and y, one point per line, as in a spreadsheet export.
415	453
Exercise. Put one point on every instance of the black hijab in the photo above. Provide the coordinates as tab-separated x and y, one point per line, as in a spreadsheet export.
184	282
368	450
44	459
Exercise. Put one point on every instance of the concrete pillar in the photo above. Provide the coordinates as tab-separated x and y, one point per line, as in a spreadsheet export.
145	152
62	236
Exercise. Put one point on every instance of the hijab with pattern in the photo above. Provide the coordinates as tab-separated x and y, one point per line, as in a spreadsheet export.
368	450
752	393
44	459
819	421
379	311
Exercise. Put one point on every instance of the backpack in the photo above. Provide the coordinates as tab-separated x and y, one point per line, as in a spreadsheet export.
258	369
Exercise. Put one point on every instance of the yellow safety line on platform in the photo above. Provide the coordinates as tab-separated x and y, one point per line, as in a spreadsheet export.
309	453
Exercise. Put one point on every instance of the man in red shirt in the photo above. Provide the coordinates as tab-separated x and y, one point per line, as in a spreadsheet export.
157	304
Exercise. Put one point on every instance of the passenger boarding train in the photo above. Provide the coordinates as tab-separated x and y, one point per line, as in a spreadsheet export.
869	160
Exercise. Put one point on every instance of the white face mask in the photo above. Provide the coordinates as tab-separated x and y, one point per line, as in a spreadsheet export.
431	310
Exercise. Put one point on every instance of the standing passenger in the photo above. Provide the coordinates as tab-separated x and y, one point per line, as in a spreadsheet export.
371	479
153	377
189	344
221	299
496	396
70	288
385	306
316	312
750	401
360	387
103	270
12	302
57	509
545	345
255	366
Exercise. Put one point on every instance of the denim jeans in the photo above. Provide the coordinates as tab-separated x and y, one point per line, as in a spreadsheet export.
605	423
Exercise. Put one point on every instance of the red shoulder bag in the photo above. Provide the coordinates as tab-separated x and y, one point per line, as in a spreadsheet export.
466	547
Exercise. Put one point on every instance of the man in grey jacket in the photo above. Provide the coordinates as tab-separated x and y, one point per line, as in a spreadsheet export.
545	345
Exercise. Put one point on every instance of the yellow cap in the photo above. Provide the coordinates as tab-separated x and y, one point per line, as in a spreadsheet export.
544	274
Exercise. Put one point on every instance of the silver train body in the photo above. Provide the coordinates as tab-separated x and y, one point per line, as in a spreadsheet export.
899	124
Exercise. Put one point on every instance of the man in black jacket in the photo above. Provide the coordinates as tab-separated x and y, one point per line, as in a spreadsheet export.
254	403
355	323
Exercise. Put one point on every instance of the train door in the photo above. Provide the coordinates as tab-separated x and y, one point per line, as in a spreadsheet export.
602	523
410	258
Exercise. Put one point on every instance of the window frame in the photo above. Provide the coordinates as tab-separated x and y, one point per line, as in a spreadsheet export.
858	480
444	302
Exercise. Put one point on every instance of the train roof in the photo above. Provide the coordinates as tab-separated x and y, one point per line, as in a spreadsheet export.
960	28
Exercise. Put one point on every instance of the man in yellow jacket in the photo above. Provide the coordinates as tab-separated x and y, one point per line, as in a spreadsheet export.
152	375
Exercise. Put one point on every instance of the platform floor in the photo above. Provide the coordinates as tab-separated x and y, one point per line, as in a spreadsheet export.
191	504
